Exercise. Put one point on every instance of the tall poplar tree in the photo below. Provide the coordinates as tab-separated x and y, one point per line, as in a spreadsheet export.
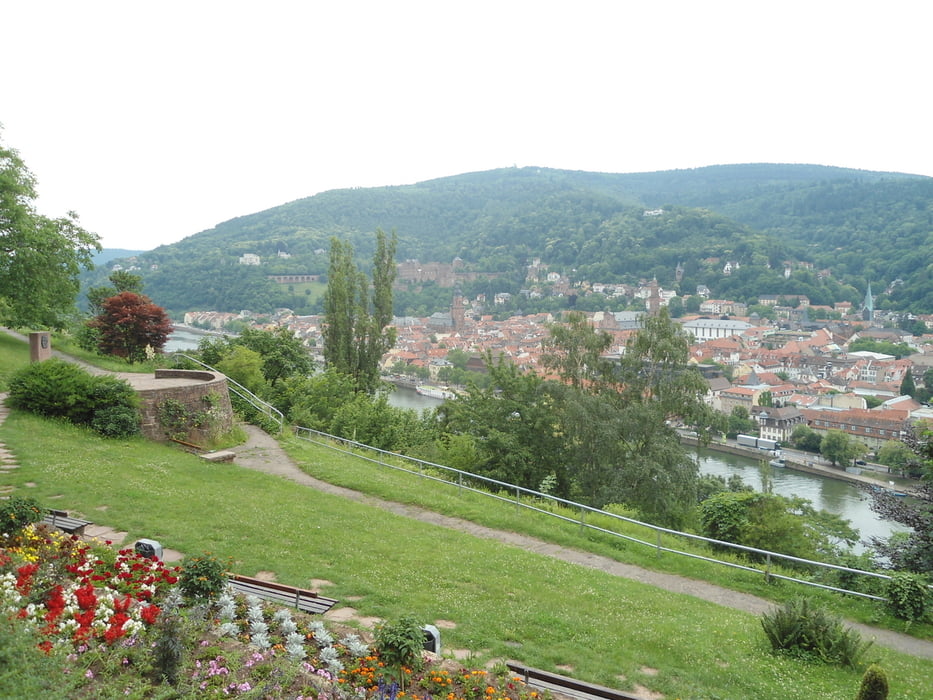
358	315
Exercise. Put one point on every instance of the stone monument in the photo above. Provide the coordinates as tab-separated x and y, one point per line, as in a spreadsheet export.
40	346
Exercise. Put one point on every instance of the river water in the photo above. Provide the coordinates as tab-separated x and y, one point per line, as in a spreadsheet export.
832	495
182	340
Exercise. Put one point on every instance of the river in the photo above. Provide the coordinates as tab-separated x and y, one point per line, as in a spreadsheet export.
832	495
184	339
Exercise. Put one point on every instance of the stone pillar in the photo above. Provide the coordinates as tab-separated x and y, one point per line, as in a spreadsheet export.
40	346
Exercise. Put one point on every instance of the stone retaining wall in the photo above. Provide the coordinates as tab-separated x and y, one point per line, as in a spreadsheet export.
206	389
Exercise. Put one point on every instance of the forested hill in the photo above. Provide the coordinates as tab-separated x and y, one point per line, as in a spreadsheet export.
864	227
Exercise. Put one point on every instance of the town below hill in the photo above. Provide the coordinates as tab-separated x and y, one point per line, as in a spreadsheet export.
780	373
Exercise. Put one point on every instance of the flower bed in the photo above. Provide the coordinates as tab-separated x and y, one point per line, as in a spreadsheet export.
118	624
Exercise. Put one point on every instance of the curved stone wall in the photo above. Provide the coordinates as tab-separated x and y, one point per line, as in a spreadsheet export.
198	391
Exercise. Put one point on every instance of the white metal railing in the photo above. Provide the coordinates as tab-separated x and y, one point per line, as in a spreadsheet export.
264	407
496	489
527	498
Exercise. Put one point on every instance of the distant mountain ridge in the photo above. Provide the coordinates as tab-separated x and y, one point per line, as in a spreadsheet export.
860	226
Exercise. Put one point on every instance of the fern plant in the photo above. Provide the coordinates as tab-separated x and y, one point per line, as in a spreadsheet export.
800	628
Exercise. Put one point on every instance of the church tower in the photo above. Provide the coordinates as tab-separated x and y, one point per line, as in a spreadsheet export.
458	311
868	306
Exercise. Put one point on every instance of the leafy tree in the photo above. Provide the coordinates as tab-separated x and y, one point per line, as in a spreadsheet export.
283	354
740	423
915	551
243	366
120	281
838	447
898	350
514	424
616	416
710	484
908	388
40	258
777	523
129	324
373	421
312	401
357	331
895	455
765	398
928	378
458	358
574	349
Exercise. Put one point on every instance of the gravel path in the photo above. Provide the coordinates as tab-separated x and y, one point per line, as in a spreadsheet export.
263	453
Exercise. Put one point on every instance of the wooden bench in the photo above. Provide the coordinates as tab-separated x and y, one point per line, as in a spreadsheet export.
305	600
564	685
64	522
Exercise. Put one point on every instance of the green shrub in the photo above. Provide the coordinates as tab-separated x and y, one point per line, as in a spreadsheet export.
26	672
116	421
59	389
17	512
802	629
400	644
907	596
53	388
874	684
203	577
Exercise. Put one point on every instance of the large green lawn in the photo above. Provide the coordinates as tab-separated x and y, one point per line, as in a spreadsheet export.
505	602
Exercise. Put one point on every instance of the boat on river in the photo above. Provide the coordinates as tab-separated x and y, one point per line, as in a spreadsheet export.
778	462
435	392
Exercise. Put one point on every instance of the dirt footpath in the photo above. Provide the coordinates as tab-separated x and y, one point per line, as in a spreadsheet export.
263	453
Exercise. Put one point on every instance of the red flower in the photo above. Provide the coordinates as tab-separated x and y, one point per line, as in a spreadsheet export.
24	577
149	614
84	621
86	597
115	630
55	604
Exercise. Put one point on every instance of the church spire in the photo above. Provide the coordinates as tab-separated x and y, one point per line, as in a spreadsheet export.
868	306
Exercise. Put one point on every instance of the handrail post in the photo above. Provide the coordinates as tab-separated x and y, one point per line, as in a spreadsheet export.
658	543
768	567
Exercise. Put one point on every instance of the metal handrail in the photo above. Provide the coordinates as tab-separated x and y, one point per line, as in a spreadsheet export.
461	479
264	407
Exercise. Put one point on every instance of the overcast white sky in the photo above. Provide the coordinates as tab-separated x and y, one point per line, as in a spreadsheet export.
155	121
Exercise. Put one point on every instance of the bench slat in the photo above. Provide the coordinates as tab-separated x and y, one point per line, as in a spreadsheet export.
303	599
64	522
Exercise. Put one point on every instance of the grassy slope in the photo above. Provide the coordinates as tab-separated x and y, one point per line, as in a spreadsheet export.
505	602
398	485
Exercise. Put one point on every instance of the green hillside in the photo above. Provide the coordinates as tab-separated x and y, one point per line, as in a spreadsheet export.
860	226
